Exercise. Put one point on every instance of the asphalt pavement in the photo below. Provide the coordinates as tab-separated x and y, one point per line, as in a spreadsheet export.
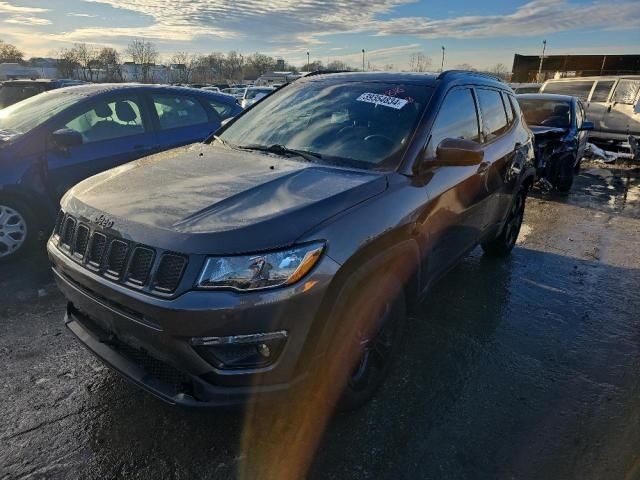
521	368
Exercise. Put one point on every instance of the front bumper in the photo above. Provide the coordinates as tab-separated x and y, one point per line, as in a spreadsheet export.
148	339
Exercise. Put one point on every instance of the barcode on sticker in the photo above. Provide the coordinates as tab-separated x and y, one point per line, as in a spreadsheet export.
377	99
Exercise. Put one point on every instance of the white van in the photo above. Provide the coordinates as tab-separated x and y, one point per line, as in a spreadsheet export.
612	104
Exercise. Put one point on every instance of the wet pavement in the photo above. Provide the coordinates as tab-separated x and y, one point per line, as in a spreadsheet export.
518	368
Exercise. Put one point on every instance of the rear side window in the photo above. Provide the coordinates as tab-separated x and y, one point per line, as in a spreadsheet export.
626	91
457	118
224	110
176	111
602	90
494	117
577	88
508	108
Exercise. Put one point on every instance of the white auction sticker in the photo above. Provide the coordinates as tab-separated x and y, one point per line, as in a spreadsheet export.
391	102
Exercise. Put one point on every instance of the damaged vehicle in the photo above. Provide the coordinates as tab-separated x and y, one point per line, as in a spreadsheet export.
561	134
285	251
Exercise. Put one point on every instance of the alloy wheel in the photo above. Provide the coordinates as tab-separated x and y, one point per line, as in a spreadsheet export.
13	231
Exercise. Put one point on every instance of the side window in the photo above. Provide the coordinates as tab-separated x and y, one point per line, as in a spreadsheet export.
515	105
457	118
107	119
579	114
575	88
176	111
224	110
626	91
508	108
602	90
494	118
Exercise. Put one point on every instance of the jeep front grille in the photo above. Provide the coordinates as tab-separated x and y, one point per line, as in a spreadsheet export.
170	271
118	259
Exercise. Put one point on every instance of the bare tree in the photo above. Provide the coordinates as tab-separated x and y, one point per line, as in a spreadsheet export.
501	71
419	62
182	64
109	61
234	64
337	65
67	63
9	53
87	60
465	66
144	55
260	63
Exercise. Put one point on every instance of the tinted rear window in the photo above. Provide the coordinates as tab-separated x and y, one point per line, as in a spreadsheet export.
494	118
578	88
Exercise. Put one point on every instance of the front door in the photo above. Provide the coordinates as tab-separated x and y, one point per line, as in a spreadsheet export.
458	195
114	131
620	117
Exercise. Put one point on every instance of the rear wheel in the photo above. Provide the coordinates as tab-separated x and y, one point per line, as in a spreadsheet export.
504	243
16	228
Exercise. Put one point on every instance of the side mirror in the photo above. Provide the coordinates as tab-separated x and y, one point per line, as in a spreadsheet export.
66	138
458	152
586	125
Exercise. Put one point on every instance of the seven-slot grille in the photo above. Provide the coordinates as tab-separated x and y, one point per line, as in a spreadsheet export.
118	259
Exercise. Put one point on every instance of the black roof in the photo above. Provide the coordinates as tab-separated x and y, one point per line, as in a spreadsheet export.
426	78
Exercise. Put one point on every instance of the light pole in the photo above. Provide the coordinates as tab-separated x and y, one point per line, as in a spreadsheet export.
363	59
442	64
307	61
544	47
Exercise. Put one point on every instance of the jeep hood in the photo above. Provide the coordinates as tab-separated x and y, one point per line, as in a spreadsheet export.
213	199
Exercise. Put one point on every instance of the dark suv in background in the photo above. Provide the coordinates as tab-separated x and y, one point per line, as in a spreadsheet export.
287	248
14	91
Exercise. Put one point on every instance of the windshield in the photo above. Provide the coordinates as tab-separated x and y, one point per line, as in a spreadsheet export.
254	92
363	124
548	113
28	114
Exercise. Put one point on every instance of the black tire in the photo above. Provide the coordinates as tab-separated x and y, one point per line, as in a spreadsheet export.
565	183
18	229
506	240
375	358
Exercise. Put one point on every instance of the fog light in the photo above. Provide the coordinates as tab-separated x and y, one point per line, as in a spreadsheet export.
241	351
264	350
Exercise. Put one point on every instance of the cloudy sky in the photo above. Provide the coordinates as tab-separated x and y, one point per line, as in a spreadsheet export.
481	33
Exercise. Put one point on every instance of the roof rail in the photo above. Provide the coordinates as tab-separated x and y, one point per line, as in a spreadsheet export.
323	72
471	72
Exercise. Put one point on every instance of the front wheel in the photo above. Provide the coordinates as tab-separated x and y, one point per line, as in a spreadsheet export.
504	243
16	228
381	324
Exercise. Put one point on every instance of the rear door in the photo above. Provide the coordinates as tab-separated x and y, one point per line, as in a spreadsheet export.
500	151
115	129
457	194
180	119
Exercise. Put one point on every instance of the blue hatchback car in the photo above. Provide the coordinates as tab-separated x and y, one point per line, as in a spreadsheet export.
51	141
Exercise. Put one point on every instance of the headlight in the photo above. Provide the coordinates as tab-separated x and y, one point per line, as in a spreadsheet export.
260	271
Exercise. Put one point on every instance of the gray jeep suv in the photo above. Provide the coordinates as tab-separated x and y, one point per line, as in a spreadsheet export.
286	249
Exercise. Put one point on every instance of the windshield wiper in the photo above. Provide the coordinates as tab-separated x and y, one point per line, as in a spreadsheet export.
283	150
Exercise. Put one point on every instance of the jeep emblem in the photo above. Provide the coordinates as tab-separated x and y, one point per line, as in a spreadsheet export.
103	221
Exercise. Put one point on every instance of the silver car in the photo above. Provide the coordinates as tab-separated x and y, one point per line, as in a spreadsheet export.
612	103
